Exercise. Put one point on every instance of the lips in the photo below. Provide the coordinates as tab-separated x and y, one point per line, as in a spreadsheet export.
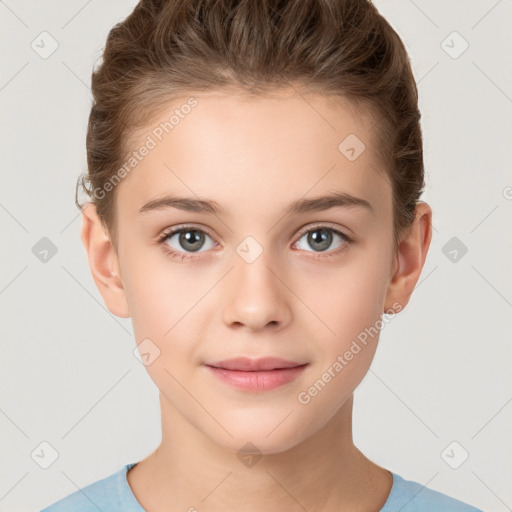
247	364
256	375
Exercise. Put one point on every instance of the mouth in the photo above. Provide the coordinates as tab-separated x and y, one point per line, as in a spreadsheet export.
256	374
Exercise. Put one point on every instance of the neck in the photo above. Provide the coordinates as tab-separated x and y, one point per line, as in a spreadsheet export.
324	472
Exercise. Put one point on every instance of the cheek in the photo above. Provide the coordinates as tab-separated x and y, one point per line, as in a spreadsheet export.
350	308
349	301
348	298
151	291
166	306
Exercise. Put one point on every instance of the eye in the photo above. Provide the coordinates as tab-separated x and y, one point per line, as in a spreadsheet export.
183	241
321	237
189	239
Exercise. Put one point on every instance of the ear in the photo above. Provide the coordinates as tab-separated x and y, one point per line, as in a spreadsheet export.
409	259
103	262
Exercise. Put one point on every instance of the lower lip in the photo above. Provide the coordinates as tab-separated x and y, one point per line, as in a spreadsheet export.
259	380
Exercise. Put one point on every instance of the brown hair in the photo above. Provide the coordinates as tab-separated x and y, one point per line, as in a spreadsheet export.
168	48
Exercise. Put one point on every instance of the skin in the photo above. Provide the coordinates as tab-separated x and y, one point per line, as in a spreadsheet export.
254	157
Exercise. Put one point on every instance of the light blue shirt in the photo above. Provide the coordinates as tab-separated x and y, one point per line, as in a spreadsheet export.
113	494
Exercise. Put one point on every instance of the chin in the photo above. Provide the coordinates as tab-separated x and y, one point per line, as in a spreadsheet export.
270	436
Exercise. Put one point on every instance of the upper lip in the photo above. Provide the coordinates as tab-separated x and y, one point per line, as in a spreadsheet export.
252	365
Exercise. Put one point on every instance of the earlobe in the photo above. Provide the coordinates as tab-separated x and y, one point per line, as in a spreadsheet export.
410	258
103	262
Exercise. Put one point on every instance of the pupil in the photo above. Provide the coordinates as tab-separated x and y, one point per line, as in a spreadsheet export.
188	238
323	240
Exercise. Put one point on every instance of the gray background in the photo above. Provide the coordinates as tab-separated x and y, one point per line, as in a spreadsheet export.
442	370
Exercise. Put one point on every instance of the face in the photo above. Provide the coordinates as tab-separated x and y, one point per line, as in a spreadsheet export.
248	275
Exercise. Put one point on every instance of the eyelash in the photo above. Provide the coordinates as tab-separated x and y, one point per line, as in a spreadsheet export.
317	256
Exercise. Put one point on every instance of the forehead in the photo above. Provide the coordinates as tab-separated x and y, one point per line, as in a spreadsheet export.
238	149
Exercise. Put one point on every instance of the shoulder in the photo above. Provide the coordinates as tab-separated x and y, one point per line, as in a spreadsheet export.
409	496
105	494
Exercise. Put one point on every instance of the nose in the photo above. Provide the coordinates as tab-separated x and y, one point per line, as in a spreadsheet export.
257	296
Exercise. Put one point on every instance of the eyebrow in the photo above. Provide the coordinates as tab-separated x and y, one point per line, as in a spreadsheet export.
321	203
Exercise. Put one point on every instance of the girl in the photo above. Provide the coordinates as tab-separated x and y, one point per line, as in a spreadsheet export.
255	169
